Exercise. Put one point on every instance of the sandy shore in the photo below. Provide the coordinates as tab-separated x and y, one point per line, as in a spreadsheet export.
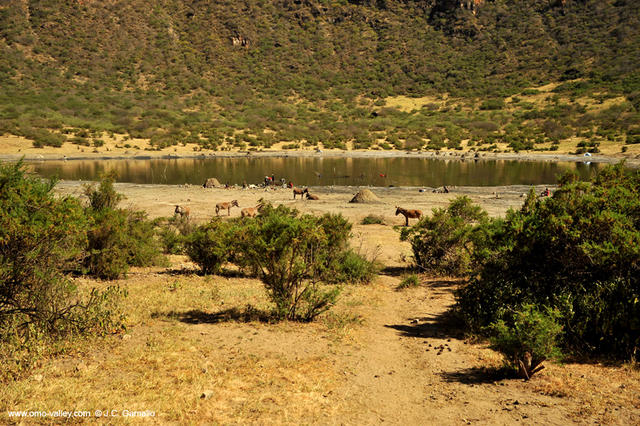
379	240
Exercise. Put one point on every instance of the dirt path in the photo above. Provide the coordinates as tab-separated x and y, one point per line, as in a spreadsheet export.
414	366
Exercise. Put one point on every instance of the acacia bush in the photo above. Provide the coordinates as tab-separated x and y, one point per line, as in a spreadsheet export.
443	244
173	233
577	252
117	238
211	245
527	338
42	238
291	253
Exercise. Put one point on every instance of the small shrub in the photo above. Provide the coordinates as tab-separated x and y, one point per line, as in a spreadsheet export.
117	238
443	244
372	220
104	196
290	254
211	245
527	338
350	267
492	104
173	232
409	281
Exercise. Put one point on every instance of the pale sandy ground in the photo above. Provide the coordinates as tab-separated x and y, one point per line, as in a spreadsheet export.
160	200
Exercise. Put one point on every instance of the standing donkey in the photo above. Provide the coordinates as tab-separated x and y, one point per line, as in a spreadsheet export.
226	206
413	214
300	192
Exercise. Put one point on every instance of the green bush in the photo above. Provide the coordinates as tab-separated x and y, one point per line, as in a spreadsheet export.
372	220
350	267
105	195
42	238
578	252
443	243
211	245
173	232
492	104
409	281
527	338
117	238
290	254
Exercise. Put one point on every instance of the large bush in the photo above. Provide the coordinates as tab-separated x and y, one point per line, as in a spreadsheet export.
443	243
117	238
41	239
290	253
579	252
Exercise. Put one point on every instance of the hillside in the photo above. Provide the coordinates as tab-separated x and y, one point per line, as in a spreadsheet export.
254	73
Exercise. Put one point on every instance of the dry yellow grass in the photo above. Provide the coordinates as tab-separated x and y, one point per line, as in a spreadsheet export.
191	357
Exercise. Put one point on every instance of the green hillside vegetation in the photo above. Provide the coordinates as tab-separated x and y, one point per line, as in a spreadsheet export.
253	73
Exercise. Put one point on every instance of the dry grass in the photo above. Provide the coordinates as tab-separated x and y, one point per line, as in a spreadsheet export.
202	350
187	335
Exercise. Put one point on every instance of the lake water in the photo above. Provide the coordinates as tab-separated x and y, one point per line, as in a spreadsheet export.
314	171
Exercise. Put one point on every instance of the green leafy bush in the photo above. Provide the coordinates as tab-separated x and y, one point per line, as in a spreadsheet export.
351	267
211	245
290	254
409	281
117	238
104	196
578	252
372	220
443	243
42	238
173	232
527	338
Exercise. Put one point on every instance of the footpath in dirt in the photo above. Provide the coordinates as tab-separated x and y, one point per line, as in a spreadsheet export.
414	366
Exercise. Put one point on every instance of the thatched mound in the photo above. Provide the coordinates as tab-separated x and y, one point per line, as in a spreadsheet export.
211	183
365	196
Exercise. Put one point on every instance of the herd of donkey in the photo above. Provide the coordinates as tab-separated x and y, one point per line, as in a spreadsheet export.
185	212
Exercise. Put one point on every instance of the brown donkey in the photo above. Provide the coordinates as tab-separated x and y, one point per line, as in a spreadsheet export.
182	211
413	214
252	211
311	196
226	206
300	192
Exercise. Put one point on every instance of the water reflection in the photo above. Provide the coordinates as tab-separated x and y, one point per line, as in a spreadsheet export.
319	171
